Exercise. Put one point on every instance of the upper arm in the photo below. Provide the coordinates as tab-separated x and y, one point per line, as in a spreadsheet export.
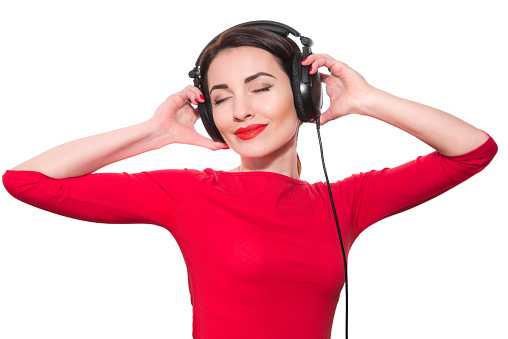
147	197
376	195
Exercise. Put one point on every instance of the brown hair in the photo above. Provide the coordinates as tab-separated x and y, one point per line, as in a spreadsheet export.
282	48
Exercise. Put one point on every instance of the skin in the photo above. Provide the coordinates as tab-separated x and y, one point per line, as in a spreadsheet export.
242	104
275	151
350	94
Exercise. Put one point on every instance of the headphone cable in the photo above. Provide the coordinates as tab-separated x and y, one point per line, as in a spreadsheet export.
336	219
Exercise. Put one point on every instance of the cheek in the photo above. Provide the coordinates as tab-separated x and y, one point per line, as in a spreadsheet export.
279	107
224	121
285	113
220	122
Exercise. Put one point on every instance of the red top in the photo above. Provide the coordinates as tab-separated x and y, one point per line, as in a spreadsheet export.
262	251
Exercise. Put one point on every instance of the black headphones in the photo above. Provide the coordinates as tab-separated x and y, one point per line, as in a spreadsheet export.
307	92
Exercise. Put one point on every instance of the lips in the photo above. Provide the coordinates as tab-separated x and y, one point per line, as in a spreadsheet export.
250	131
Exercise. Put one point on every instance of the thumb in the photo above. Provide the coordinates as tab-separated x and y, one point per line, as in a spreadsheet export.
325	117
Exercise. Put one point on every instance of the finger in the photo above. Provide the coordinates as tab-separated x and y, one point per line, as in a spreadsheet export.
214	146
323	62
320	60
217	146
337	68
187	95
314	57
198	95
324	77
310	59
328	116
202	141
325	117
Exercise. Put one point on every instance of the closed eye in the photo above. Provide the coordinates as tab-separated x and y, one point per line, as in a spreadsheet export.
218	102
264	89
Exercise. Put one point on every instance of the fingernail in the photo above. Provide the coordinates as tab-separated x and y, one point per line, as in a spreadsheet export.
304	60
201	97
195	101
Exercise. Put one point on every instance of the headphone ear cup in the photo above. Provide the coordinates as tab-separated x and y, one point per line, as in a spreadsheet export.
295	85
206	114
308	96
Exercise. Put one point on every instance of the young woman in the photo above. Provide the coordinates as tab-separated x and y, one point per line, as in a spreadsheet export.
260	245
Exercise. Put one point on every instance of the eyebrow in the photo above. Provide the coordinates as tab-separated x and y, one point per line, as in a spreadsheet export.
247	80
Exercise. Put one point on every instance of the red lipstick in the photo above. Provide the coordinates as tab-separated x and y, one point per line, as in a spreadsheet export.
251	131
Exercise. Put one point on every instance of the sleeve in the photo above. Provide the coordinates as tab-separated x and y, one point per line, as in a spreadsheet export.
146	197
375	195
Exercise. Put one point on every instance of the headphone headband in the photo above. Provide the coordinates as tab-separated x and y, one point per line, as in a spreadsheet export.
266	25
272	26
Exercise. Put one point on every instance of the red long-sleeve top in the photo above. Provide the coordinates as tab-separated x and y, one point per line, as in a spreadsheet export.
262	251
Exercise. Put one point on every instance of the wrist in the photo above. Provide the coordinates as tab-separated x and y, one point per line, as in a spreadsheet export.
156	133
369	103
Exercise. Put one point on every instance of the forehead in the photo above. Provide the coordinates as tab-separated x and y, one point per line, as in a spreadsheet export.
238	63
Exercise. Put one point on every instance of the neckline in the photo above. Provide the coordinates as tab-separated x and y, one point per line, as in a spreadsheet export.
262	173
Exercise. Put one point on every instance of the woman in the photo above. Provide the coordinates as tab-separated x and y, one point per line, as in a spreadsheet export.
262	250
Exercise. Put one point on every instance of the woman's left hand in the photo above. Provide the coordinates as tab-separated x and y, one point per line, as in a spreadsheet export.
346	88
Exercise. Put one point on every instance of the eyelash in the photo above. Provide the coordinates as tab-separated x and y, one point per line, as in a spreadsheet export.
265	89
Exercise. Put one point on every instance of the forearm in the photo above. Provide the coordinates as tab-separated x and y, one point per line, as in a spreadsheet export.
444	132
86	155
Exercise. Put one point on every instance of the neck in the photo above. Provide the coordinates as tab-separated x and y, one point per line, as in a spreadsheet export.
282	161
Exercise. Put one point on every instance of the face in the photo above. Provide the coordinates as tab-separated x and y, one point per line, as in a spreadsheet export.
252	102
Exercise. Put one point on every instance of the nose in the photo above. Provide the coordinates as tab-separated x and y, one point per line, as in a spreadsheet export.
242	109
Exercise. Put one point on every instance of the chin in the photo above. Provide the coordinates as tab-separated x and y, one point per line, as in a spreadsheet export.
263	148
254	150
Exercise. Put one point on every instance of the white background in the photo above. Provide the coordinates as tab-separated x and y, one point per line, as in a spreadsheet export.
71	69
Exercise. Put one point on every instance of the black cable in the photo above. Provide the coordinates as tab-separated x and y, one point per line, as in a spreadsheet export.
335	215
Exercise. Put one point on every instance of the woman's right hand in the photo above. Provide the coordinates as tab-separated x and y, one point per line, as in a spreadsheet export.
173	122
176	116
